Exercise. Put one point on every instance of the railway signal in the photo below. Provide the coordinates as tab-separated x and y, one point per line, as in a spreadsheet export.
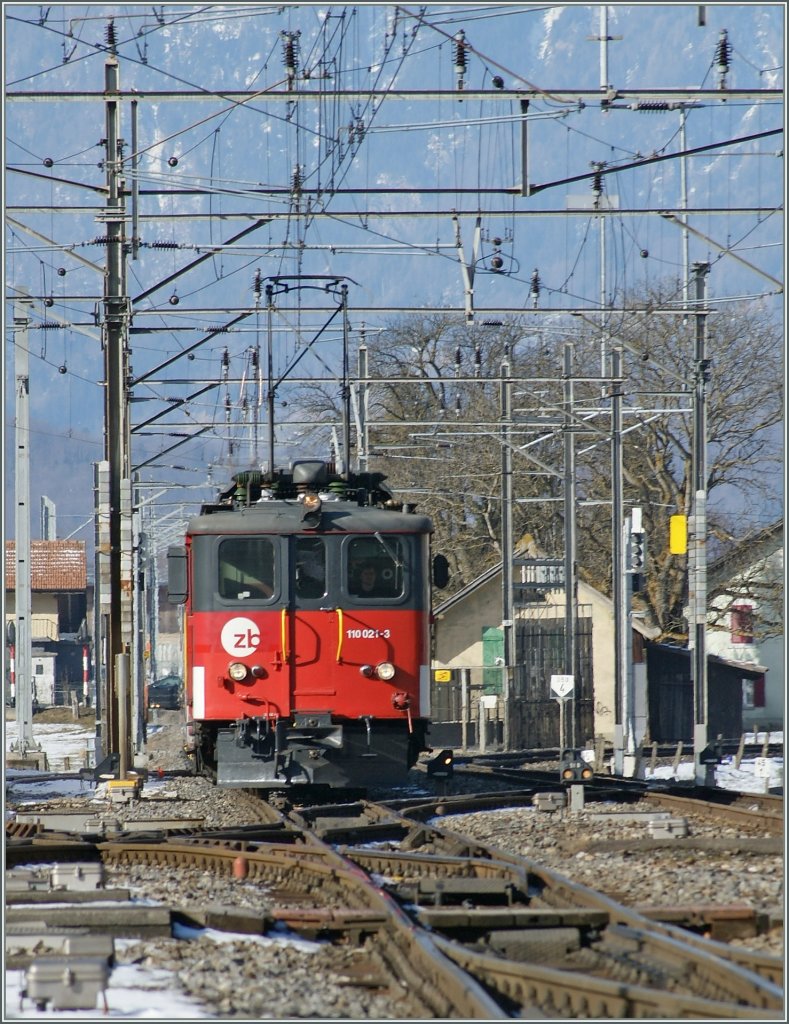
573	768
637	552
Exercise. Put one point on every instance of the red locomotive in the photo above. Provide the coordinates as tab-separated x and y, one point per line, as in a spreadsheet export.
307	630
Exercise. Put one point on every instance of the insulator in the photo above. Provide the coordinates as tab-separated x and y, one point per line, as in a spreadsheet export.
109	36
534	288
290	52
225	359
723	51
99	240
162	244
458	356
457	405
258	282
598	185
255	359
48	325
460	52
296	181
218	329
653	106
360	128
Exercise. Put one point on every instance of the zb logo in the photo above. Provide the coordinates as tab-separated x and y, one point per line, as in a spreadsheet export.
240	636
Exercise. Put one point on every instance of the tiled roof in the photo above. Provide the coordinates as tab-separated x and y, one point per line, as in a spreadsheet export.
56	565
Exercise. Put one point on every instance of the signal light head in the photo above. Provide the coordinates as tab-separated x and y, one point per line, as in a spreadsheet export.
385	670
573	768
442	765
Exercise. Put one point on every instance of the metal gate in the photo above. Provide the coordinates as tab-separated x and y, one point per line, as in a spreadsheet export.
539	645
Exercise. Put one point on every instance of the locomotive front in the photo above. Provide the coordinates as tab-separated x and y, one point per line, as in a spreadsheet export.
307	631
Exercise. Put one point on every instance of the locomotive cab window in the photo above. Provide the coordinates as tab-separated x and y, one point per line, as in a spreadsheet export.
246	569
376	567
310	554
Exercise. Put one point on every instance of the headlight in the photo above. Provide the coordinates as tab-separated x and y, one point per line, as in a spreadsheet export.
385	670
237	671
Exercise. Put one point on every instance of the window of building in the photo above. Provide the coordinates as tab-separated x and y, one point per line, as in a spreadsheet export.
753	695
742	624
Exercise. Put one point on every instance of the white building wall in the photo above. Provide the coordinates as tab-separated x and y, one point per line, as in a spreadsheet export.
769	652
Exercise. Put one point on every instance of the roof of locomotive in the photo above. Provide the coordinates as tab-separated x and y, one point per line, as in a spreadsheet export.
259	502
278	516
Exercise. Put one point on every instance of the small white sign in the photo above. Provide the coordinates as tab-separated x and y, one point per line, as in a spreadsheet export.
562	686
761	767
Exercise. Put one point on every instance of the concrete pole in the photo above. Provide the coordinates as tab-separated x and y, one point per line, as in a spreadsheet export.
507	602
116	404
465	676
346	386
122	676
363	403
22	594
698	606
617	558
270	372
569	543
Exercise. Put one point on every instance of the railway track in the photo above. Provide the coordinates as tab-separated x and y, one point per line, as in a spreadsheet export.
472	931
761	811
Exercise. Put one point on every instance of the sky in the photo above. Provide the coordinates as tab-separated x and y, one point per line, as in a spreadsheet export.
136	993
390	155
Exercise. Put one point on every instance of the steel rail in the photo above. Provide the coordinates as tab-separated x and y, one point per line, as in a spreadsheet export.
771	821
410	954
562	994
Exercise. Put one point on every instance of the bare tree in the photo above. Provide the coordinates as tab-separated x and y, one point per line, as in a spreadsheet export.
437	432
745	405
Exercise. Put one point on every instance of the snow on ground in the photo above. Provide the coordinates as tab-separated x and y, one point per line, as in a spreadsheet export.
137	993
67	745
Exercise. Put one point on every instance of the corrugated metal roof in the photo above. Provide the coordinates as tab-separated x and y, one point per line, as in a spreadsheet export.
56	565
